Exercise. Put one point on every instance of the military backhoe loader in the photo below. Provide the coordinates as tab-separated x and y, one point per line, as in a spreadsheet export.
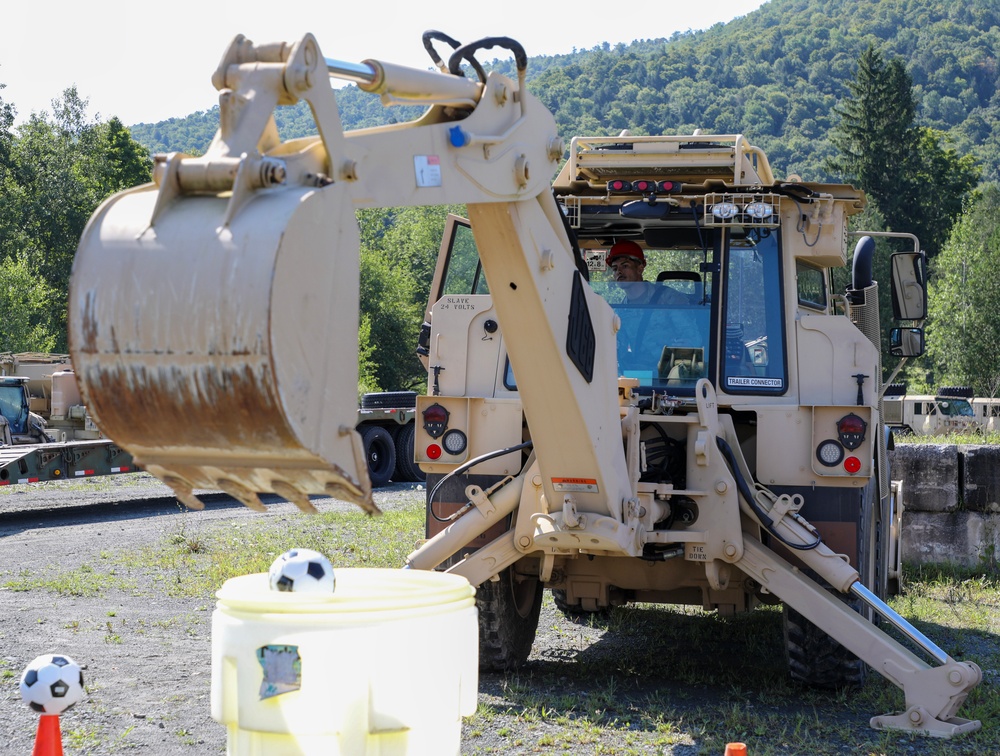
724	448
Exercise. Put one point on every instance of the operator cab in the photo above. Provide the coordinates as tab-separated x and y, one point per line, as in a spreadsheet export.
668	339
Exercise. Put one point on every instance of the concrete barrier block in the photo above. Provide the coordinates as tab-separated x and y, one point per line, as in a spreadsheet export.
981	478
930	475
967	539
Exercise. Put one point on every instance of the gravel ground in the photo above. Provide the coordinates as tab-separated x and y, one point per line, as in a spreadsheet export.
621	688
147	660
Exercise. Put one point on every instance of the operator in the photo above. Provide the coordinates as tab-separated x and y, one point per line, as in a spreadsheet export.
627	262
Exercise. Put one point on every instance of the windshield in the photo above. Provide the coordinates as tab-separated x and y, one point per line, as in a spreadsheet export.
12	407
955	407
665	319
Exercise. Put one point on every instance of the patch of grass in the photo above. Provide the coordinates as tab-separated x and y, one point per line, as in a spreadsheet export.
84	580
193	566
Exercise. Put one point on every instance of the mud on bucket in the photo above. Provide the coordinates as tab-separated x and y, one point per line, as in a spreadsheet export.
222	351
354	672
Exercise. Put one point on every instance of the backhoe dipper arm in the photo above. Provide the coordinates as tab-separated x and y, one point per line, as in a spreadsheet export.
213	314
933	694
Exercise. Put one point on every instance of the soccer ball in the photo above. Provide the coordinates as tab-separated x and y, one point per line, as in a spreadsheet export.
51	684
302	570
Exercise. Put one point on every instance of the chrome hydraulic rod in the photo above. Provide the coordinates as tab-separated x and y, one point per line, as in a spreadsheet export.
359	73
899	623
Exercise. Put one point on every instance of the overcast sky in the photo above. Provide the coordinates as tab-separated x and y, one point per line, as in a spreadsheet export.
146	62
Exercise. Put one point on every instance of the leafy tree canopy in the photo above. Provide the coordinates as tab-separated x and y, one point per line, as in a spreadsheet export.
54	171
775	74
964	322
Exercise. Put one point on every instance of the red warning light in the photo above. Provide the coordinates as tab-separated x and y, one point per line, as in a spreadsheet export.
644	186
618	185
669	187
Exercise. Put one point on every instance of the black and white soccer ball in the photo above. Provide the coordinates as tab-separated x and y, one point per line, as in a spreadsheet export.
302	570
52	683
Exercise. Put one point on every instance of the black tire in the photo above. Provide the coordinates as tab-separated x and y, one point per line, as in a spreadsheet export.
576	613
406	468
380	453
960	392
508	619
390	400
895	389
817	660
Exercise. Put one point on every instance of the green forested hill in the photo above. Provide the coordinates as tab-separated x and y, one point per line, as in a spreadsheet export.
775	75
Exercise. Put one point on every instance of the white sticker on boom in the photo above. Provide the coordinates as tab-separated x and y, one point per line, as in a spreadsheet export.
427	169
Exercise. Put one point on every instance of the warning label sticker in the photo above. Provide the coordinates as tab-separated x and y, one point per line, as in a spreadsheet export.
427	169
583	485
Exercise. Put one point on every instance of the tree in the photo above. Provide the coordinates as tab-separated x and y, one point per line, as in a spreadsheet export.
918	185
25	302
963	329
875	135
59	169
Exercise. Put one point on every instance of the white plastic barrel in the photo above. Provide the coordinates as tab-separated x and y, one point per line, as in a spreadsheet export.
386	665
65	393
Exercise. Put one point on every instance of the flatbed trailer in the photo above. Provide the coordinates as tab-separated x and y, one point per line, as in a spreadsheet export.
61	461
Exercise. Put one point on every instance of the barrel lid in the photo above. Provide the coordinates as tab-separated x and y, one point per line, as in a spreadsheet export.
358	590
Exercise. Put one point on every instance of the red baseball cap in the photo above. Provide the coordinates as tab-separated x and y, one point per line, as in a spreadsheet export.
626	248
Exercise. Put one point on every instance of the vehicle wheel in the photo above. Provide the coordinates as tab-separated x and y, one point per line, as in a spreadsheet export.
390	400
816	659
508	619
576	613
406	468
380	454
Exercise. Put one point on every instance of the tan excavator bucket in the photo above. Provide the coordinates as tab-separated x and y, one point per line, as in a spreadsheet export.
214	314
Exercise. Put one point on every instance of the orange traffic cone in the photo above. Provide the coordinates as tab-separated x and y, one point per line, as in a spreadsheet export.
736	749
48	741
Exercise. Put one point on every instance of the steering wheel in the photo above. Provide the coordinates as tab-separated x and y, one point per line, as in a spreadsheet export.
467	52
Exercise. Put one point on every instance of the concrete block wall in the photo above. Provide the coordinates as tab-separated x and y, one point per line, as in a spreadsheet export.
951	503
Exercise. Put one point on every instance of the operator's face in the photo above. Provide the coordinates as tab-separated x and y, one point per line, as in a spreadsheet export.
627	269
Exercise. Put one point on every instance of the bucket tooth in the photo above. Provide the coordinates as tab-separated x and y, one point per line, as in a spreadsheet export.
184	492
288	492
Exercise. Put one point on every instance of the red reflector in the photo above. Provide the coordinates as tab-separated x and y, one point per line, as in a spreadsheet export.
644	186
668	187
617	185
852	465
433	451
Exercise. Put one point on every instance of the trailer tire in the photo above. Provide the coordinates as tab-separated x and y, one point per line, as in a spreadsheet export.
390	400
380	454
406	468
508	620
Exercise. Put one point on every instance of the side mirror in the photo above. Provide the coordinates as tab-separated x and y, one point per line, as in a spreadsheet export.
906	342
909	289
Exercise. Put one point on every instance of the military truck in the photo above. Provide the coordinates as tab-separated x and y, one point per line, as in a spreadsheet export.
720	446
950	410
45	432
386	424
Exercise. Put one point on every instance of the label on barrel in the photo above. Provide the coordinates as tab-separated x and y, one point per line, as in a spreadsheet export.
282	670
